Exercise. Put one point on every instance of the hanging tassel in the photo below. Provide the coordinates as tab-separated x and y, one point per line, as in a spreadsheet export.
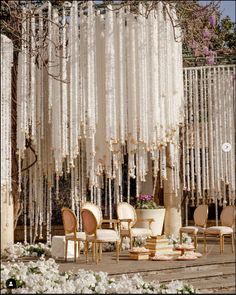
110	200
25	209
196	136
19	171
128	188
57	187
106	197
49	214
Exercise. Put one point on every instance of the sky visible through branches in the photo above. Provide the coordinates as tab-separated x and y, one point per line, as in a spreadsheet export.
227	8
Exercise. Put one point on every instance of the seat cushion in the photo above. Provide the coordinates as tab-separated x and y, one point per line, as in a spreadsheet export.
79	235
192	229
105	235
219	230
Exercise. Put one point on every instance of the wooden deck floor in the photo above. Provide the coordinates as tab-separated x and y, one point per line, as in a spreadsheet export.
211	273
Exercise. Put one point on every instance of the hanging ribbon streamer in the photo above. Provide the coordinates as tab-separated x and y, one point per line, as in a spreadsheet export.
113	82
209	117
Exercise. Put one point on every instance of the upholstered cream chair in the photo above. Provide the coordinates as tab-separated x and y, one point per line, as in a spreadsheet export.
227	218
127	216
98	215
71	234
95	234
200	217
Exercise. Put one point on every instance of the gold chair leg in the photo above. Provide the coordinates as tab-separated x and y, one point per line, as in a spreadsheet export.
117	251
100	251
78	249
93	251
223	243
86	250
96	251
66	250
195	242
131	244
121	244
232	241
205	246
220	244
75	248
132	240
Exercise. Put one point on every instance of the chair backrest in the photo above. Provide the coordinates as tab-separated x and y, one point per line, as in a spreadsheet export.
69	221
97	212
227	216
126	211
200	215
89	221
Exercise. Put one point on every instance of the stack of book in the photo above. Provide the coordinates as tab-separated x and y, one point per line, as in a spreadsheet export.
139	253
159	245
139	256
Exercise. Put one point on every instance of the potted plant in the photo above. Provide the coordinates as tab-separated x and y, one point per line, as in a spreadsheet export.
147	208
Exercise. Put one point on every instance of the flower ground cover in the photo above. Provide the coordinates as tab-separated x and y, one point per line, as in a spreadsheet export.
19	250
43	276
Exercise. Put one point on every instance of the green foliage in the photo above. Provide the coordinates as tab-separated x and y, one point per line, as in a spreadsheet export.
146	202
34	270
139	241
19	283
146	205
225	37
40	251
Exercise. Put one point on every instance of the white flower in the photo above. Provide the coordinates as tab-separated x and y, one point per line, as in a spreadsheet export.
175	240
43	276
15	251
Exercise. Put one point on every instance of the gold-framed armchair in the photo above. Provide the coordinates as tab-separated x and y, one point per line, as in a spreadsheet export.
92	219
127	217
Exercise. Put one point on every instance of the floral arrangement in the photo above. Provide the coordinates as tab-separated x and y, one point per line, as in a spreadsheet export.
111	246
140	241
146	202
43	276
19	250
175	240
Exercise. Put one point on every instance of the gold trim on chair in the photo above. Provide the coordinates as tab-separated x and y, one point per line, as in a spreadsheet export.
227	218
127	223
97	235
200	217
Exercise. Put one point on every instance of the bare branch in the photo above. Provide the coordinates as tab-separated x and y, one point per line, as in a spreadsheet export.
28	145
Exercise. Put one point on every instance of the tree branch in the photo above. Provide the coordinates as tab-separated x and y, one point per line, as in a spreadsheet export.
28	145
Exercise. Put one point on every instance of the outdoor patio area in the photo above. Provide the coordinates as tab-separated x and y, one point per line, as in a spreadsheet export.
211	273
